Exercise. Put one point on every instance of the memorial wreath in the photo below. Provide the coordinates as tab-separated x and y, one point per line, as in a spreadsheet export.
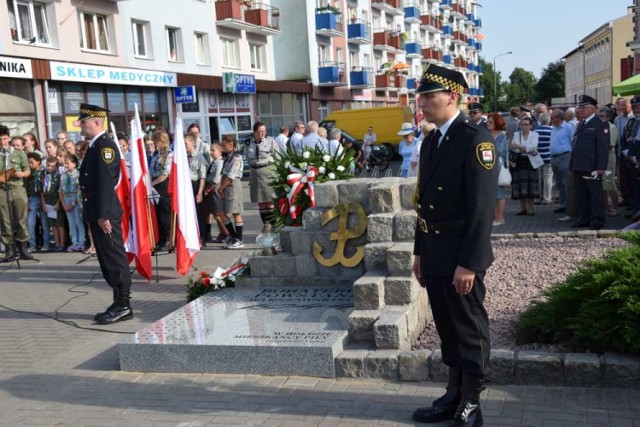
297	173
202	283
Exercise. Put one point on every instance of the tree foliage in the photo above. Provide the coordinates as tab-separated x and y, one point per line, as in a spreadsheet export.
521	87
551	83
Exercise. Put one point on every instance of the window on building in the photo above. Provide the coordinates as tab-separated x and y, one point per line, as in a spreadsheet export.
28	21
258	62
202	49
94	34
140	43
174	43
230	54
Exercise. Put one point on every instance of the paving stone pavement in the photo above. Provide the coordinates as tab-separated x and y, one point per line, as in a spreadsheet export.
52	373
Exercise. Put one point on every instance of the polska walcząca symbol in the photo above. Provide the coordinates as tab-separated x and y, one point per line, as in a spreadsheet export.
343	235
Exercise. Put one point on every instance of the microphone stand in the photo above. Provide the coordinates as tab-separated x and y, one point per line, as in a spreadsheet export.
16	256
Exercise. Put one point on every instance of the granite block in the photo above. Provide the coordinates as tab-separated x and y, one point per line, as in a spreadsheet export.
390	330
502	366
284	265
407	192
400	290
375	256
381	364
538	368
350	363
587	234
400	259
260	266
438	371
353	273
354	190
361	325
404	226
582	370
326	194
312	220
384	198
285	238
567	234
608	233
414	365
380	227
248	282
523	235
544	235
306	266
621	371
368	292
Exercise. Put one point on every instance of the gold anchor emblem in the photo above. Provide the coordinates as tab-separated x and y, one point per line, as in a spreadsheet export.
342	235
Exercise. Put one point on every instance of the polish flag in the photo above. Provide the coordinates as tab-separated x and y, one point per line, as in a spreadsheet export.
123	189
183	205
142	238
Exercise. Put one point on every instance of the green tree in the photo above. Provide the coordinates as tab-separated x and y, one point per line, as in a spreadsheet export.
521	87
551	83
487	83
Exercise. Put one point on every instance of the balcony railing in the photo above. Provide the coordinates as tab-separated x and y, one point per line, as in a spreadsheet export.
385	81
390	6
361	76
331	73
477	23
457	8
432	22
447	59
413	48
359	31
432	53
447	31
412	11
412	82
327	20
459	35
263	15
445	4
387	39
250	16
460	63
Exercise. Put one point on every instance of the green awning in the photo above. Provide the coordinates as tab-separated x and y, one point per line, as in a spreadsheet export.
631	86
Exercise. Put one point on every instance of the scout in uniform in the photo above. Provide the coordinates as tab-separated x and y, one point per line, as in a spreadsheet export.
589	159
99	176
260	151
455	201
13	199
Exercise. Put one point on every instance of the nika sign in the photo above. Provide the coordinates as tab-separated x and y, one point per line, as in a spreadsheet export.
15	68
184	94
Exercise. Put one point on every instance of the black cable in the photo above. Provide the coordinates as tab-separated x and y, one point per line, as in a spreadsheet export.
69	322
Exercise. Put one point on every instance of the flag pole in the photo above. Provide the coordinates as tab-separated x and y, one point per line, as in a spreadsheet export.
172	232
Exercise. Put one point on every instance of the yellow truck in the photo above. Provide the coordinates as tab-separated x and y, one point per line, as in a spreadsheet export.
386	122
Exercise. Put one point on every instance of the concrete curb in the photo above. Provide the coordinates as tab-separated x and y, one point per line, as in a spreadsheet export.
580	234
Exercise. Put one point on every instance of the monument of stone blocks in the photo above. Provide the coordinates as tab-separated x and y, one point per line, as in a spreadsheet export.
340	299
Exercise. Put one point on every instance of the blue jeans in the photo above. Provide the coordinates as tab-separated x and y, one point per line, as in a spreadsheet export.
76	226
34	214
560	168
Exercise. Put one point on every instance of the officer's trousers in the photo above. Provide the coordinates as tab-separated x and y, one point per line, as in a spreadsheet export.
590	198
112	256
462	323
17	210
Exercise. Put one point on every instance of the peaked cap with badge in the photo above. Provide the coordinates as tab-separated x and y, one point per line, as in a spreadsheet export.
435	79
586	100
88	110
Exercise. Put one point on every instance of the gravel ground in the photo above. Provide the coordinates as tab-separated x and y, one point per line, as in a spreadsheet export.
521	270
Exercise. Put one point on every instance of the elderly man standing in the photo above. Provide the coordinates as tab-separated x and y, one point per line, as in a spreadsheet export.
623	107
588	164
297	135
312	140
560	155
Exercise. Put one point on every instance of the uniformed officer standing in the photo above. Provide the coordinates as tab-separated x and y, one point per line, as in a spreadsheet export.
99	174
455	202
13	199
260	151
588	163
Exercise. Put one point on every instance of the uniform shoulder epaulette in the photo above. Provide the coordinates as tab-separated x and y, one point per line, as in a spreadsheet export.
470	125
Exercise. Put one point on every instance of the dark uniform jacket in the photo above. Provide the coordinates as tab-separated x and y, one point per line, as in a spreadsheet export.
99	174
456	200
590	146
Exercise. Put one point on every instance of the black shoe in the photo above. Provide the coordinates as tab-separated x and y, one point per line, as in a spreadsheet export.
521	213
115	315
24	251
442	409
162	248
468	414
597	226
580	225
10	254
560	210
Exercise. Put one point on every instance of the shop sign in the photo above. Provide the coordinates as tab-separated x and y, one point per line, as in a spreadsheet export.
15	67
238	83
184	94
110	75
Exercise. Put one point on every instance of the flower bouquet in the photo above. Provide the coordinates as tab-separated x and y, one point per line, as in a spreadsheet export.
202	283
297	173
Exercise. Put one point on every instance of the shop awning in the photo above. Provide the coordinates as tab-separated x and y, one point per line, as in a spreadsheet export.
631	86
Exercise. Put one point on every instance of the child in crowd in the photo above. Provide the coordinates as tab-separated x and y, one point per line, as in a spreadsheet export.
33	186
70	200
230	191
70	146
62	154
51	201
50	148
212	182
17	143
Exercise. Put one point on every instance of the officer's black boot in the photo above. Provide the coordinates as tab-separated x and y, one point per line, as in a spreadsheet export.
10	254
111	307
121	312
24	251
468	413
445	407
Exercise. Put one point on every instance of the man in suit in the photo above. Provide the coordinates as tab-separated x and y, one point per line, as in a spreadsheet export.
455	202
99	175
588	163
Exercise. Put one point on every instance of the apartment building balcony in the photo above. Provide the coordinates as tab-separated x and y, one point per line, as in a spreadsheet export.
331	74
431	55
401	81
430	23
459	38
445	4
479	69
460	63
384	39
458	11
472	91
412	83
447	31
360	77
391	7
471	67
412	12
329	22
481	92
447	59
470	18
471	43
478	46
359	32
477	23
256	18
413	48
386	82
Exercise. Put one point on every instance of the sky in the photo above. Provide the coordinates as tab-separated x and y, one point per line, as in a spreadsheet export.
540	32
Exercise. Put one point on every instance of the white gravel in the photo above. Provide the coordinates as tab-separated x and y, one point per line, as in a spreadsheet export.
521	270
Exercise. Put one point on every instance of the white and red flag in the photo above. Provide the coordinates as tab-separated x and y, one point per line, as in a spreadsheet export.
123	190
142	238
183	205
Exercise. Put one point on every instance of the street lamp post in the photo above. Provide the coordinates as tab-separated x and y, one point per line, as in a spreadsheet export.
495	80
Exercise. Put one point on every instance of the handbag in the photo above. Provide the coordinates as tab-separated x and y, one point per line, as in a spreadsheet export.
504	176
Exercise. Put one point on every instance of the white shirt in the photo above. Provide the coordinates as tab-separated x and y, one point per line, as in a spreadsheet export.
281	141
445	127
94	139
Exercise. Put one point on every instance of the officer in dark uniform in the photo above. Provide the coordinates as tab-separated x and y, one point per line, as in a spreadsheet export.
99	175
628	153
455	202
588	163
475	115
